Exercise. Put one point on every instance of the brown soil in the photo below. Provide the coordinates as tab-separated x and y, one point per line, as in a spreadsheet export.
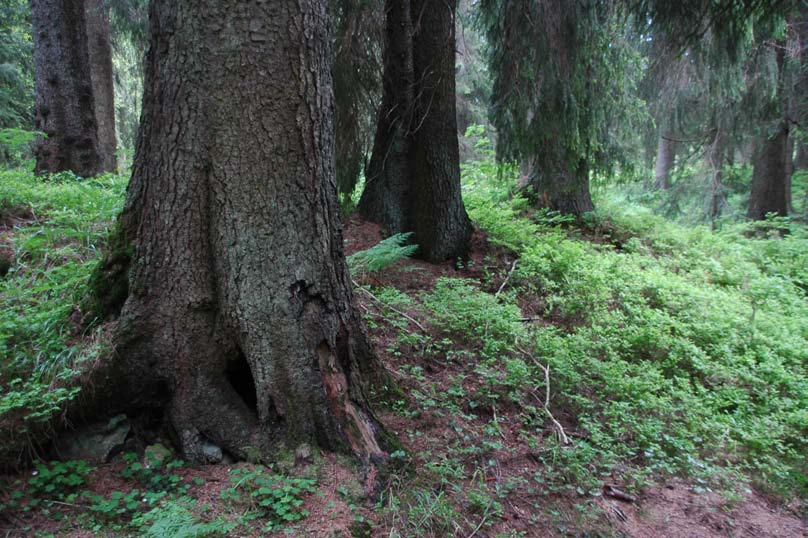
676	510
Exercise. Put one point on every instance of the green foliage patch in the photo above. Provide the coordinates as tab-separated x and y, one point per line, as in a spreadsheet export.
275	497
59	225
382	255
676	350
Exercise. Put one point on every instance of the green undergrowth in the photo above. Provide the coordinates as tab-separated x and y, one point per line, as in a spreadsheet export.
53	231
667	349
152	497
671	349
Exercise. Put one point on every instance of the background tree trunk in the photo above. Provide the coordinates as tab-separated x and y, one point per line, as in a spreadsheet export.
239	327
64	93
560	179
100	51
715	163
414	173
386	193
769	190
801	157
650	145
559	188
665	158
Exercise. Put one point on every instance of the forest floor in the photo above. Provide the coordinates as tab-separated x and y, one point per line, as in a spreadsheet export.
610	380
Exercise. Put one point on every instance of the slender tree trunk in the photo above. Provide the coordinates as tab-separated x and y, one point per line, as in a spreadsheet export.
801	157
769	191
789	167
239	327
100	51
414	172
666	156
64	93
801	91
715	162
650	146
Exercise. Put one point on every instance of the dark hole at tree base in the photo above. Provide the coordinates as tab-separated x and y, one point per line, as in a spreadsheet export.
241	379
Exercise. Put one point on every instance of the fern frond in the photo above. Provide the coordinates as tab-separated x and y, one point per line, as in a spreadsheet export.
380	256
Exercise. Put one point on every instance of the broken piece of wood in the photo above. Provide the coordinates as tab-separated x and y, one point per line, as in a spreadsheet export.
619	513
616	493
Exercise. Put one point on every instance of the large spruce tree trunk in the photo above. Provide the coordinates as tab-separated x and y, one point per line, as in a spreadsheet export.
562	184
560	178
64	93
413	178
239	326
770	191
100	51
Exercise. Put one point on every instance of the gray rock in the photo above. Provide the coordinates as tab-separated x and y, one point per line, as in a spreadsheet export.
156	455
211	452
94	442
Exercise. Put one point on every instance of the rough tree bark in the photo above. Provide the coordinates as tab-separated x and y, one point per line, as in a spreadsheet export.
563	188
239	326
414	172
64	94
769	175
100	51
665	158
769	190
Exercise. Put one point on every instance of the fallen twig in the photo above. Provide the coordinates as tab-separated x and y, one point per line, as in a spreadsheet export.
619	513
562	436
507	278
482	521
616	493
496	295
399	312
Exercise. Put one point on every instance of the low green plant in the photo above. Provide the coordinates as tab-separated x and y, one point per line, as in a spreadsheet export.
274	497
16	144
153	475
176	519
672	349
421	512
60	227
382	255
58	480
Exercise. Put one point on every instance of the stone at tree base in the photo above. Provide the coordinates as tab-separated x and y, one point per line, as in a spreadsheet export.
200	449
211	452
95	442
156	455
